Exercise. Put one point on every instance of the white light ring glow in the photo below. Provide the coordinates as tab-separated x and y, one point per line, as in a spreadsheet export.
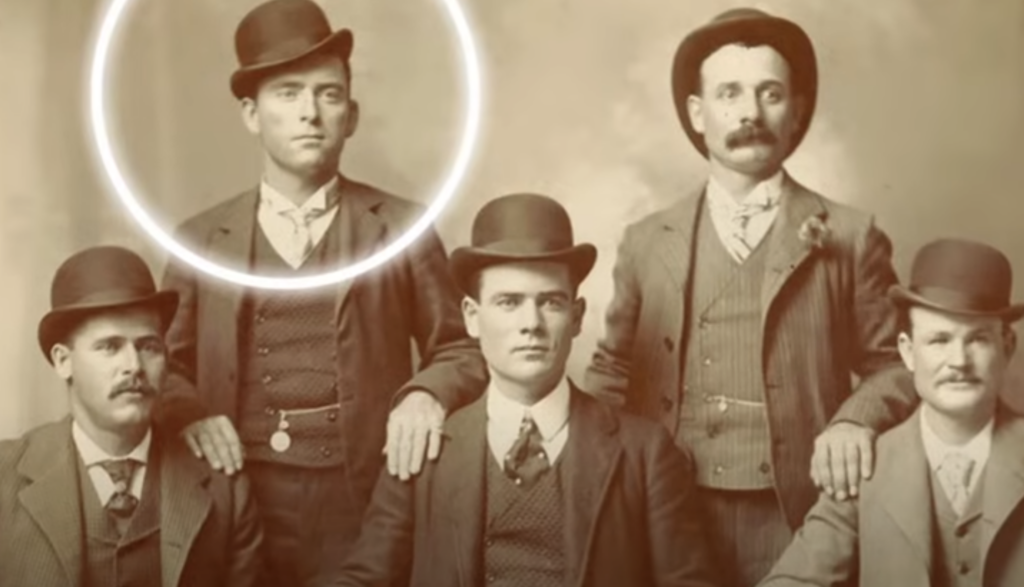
97	82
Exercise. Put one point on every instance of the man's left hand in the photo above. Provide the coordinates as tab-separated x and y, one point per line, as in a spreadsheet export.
843	457
415	428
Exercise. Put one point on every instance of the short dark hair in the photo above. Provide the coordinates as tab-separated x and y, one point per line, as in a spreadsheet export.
905	325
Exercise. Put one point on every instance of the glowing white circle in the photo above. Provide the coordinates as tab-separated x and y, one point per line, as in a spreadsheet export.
97	79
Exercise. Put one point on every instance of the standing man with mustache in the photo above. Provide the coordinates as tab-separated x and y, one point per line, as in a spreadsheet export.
105	496
742	313
312	385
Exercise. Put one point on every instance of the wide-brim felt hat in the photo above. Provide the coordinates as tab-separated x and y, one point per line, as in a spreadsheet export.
281	32
960	277
100	279
752	27
521	227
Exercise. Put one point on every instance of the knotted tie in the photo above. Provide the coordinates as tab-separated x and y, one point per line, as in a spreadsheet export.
302	236
740	247
954	475
122	504
526	461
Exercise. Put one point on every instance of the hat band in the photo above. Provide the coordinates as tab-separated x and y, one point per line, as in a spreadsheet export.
525	247
109	297
961	300
285	50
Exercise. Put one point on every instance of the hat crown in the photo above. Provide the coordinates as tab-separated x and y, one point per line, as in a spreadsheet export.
100	273
974	271
523	218
279	29
740	14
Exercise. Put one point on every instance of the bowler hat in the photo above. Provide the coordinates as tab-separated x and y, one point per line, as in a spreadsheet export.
521	227
96	279
960	277
750	27
280	32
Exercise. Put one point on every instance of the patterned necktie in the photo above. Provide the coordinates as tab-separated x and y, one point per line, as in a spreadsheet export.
954	474
526	461
122	504
302	236
739	220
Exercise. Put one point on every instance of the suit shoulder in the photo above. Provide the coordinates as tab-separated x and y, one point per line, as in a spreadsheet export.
635	431
207	218
12	449
844	219
395	211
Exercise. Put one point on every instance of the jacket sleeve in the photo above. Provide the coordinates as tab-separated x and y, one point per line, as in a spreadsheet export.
880	400
179	403
382	556
824	551
451	366
680	549
607	376
246	566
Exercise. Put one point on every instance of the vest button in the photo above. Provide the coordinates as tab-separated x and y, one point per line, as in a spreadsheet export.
267	379
712	430
269	411
961	531
325	451
765	468
702	323
707	361
260	318
719	469
491	578
669	345
964	568
332	416
263	351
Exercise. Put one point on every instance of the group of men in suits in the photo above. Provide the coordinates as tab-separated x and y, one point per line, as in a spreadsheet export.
718	438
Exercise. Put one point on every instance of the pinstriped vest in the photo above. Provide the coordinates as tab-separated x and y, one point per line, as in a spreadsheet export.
730	442
288	345
110	559
957	539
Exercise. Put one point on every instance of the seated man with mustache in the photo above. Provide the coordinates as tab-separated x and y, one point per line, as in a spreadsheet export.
103	497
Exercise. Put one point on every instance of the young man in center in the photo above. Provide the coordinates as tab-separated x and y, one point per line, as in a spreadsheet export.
539	484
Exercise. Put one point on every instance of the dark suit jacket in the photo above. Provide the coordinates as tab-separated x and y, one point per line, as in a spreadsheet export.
632	515
210	535
885	537
378	314
825	318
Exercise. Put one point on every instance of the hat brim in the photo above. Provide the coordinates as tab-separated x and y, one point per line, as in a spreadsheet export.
244	79
466	262
56	324
785	36
904	297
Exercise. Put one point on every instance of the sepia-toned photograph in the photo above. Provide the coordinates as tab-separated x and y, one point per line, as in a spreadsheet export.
534	293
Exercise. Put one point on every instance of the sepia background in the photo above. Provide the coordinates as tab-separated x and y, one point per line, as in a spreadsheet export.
920	120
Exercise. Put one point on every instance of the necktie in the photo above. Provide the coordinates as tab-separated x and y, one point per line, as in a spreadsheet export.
954	475
526	461
302	236
740	218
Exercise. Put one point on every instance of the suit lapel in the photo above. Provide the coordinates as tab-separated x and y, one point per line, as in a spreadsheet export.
786	252
1004	476
359	232
904	487
184	506
460	484
231	245
674	244
53	499
591	454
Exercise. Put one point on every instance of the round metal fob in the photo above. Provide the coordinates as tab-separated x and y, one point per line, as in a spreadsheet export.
280	441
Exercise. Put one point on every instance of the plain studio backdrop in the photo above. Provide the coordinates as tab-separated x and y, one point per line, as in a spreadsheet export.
920	120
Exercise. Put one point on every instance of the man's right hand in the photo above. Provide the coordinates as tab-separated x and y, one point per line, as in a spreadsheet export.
215	439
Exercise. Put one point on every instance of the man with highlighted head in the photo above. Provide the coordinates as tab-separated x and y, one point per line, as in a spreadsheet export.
310	386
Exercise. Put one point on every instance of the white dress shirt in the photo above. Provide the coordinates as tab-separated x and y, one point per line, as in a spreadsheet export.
977	448
92	455
724	209
272	215
505	415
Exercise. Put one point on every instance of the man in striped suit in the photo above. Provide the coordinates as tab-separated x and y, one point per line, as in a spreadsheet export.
741	314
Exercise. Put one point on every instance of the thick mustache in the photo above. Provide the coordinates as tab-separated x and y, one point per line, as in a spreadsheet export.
750	135
133	386
960	379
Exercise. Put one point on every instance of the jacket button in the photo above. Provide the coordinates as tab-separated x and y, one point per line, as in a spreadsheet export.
666	403
325	451
332	416
669	344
